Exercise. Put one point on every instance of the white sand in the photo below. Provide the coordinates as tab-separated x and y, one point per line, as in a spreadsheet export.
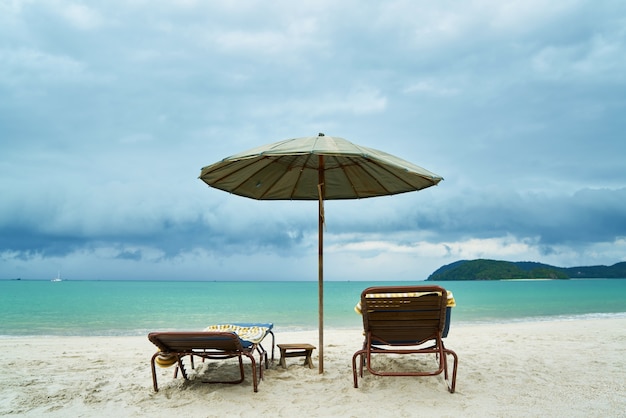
546	369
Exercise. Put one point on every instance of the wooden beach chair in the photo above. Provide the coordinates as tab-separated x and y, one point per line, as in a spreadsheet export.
217	345
404	320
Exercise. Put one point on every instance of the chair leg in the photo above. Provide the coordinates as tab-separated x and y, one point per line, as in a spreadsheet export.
363	358
154	376
358	354
273	341
255	379
452	384
181	366
262	355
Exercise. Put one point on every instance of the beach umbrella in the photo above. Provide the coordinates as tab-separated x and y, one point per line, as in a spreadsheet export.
316	168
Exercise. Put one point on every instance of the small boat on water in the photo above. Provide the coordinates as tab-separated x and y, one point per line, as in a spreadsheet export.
58	278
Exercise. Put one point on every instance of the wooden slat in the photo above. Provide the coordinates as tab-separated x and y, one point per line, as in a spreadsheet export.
403	318
181	341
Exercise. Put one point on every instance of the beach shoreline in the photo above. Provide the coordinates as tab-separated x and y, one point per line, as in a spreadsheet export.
548	368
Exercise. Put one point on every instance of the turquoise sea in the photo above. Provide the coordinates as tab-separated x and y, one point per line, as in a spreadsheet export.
138	307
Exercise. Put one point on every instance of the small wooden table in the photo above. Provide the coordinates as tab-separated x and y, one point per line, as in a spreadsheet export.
296	350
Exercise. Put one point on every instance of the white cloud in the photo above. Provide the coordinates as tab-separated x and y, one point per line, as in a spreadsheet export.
597	61
80	16
431	87
25	65
525	15
293	38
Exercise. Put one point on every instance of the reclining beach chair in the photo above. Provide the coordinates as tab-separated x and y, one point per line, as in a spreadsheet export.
404	320
217	345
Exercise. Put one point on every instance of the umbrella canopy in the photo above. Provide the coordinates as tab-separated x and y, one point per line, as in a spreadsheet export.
289	170
316	168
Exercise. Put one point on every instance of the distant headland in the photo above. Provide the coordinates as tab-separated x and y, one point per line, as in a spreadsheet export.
482	269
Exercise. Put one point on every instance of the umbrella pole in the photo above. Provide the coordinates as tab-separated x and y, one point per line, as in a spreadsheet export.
321	262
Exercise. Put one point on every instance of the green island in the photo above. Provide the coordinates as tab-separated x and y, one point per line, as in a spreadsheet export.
483	269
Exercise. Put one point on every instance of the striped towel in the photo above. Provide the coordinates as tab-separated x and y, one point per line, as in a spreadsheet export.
252	334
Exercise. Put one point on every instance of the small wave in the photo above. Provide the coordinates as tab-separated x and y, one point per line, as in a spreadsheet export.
545	318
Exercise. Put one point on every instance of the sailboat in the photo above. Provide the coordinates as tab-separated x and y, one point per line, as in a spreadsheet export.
58	278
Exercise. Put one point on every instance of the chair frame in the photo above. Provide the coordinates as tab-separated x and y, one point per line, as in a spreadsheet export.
404	320
207	345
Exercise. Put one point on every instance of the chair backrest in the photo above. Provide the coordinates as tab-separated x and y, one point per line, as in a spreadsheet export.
186	341
404	315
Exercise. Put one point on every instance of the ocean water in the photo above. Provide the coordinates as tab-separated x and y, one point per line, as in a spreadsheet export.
137	307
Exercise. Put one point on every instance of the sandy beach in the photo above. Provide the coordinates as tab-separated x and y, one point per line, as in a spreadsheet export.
557	369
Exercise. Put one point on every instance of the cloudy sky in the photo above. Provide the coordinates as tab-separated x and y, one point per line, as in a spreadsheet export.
109	109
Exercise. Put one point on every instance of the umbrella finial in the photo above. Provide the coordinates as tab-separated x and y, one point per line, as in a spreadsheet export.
320	134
